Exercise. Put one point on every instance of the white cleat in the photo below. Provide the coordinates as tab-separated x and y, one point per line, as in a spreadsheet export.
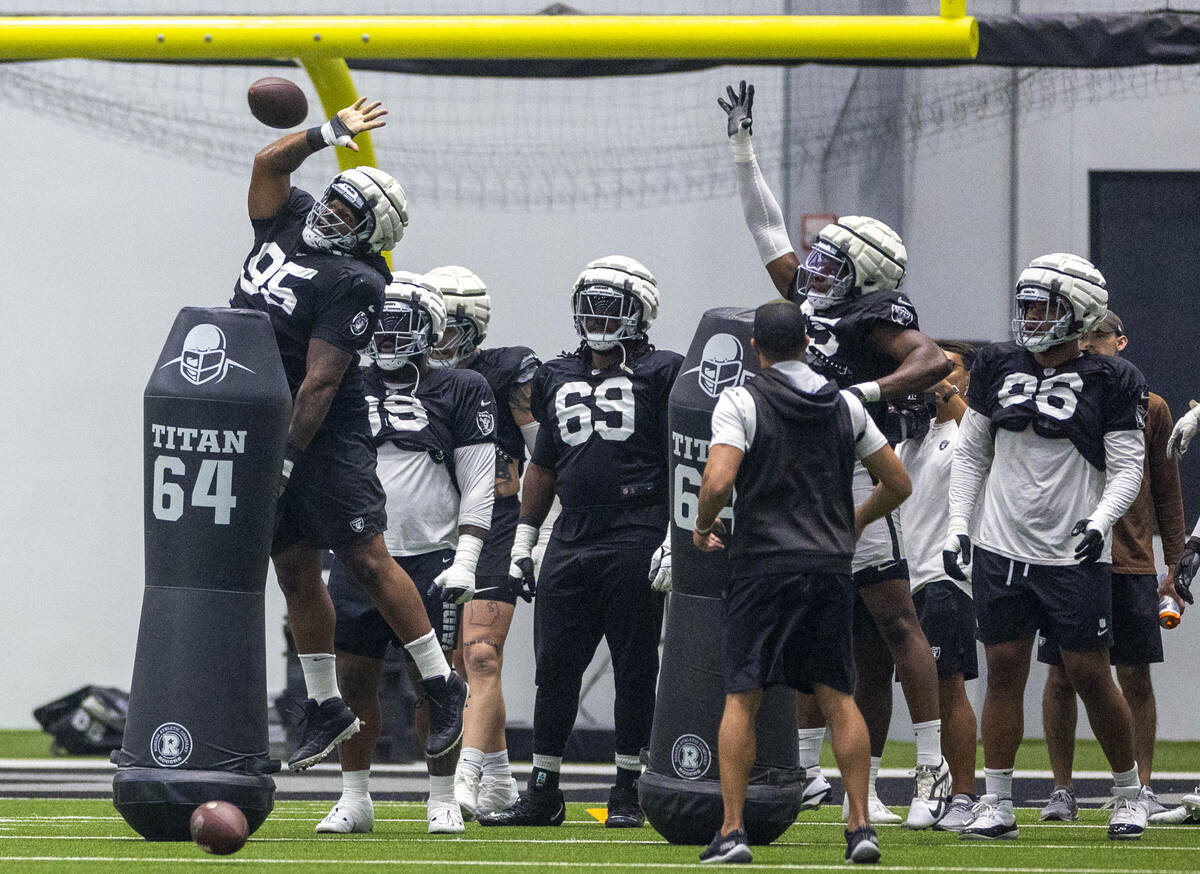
994	821
496	795
816	791
877	811
466	793
444	818
1188	811
349	816
1128	819
932	795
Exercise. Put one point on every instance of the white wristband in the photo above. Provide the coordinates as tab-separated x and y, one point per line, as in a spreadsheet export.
466	554
524	540
742	148
869	390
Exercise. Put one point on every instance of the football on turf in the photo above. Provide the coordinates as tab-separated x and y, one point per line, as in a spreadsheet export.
277	102
219	828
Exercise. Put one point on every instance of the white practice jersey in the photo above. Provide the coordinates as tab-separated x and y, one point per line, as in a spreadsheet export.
926	514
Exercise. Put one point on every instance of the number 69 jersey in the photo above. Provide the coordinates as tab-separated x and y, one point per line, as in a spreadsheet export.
605	436
1048	427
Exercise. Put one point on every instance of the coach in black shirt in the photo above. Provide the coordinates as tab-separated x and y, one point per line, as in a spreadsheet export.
787	441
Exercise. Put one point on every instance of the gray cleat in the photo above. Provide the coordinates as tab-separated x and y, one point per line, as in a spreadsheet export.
1061	807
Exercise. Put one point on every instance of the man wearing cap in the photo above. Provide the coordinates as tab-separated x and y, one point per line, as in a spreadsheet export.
1137	639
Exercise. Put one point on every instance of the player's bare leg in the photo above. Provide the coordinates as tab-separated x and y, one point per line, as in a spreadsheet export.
1003	717
1060	715
891	606
1139	695
443	814
736	748
851	748
359	678
873	667
958	733
1107	710
391	589
327	720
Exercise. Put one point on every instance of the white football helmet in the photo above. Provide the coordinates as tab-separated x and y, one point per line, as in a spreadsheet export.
412	321
854	255
615	299
468	312
1059	298
379	207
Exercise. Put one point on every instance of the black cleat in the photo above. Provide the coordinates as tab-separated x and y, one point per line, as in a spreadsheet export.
624	811
325	726
733	847
862	845
533	807
447	697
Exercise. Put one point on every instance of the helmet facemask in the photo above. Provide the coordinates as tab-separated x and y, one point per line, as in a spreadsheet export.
1043	318
605	315
828	276
405	333
459	342
341	220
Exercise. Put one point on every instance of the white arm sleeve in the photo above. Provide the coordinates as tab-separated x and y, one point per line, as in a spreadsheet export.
475	471
763	216
529	435
1124	454
972	461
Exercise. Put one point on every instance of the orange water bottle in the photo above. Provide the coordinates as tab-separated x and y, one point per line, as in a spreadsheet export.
1168	612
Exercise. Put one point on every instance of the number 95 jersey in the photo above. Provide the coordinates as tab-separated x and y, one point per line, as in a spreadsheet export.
605	436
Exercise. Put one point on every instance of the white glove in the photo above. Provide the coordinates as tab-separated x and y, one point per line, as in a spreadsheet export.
457	582
1183	432
660	567
520	568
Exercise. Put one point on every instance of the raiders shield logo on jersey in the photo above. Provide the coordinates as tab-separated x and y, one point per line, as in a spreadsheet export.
486	422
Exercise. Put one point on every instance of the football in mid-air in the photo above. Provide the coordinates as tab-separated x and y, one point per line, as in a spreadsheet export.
219	828
277	102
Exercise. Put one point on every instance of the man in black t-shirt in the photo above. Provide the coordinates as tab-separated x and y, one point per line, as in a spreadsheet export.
316	271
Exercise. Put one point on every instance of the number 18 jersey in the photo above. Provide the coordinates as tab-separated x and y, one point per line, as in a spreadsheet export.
605	436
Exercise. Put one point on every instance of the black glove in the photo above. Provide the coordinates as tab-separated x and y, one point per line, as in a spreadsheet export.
957	545
527	581
1089	549
1189	563
738	108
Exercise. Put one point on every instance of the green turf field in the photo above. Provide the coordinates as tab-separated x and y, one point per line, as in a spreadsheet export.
88	836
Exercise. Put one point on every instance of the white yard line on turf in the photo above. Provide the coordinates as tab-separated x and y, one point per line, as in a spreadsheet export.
439	863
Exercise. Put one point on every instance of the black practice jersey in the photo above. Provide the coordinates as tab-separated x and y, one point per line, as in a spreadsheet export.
838	338
1081	400
307	294
504	369
451	408
605	435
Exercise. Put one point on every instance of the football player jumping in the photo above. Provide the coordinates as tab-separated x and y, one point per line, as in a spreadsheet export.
865	337
315	269
434	429
1057	435
484	781
603	448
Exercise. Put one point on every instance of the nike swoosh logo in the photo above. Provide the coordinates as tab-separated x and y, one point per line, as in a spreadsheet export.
447	560
1100	633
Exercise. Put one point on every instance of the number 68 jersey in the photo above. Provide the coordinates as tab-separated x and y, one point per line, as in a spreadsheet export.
1049	427
605	436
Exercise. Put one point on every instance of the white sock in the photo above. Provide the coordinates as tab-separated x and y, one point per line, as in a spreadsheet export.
998	782
809	755
320	675
470	761
496	765
354	785
1126	783
875	762
427	655
548	763
441	788
929	742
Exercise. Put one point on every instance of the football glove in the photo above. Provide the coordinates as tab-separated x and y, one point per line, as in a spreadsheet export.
1189	563
457	582
1090	548
520	568
660	567
1183	432
739	108
956	552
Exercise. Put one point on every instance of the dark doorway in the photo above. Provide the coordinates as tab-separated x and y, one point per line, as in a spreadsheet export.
1145	238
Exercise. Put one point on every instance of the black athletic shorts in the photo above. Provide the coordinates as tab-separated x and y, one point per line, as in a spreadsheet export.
361	630
1070	603
881	573
1137	637
947	616
333	497
790	629
492	582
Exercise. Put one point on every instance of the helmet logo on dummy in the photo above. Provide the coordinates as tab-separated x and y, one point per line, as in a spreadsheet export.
170	745
204	358
690	756
720	365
